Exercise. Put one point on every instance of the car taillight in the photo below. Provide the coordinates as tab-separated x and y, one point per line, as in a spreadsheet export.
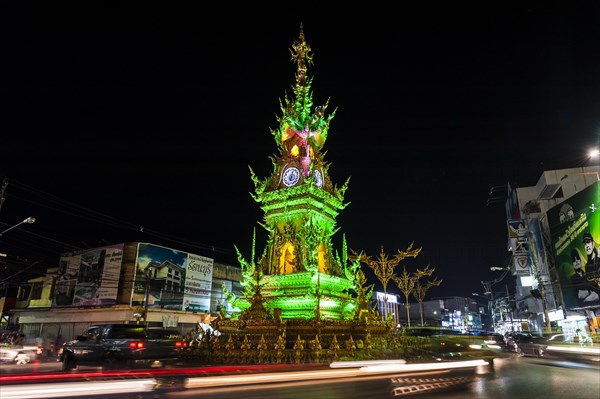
136	345
180	344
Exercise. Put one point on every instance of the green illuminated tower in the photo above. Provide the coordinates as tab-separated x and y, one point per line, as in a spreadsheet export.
299	274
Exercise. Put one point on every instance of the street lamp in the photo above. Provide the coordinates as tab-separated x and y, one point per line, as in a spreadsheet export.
29	220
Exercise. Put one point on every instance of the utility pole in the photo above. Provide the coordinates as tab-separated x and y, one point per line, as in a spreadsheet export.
146	294
488	290
542	289
510	310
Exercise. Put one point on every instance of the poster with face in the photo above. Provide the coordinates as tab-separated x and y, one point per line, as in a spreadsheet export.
575	231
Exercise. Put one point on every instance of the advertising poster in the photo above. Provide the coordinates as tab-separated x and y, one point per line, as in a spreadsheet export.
519	242
159	272
516	228
198	284
536	246
575	230
89	278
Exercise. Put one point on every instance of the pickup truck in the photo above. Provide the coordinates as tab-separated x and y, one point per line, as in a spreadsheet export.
115	346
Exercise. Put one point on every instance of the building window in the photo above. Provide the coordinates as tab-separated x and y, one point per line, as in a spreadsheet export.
24	292
36	291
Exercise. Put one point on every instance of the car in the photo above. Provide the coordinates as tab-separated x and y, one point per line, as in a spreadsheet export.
114	346
20	354
526	344
448	342
426	331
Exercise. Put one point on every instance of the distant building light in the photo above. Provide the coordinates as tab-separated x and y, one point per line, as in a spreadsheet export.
526	281
383	297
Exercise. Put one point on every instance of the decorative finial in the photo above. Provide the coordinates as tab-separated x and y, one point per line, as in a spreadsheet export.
301	55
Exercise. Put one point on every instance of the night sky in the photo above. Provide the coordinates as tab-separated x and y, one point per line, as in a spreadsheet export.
140	124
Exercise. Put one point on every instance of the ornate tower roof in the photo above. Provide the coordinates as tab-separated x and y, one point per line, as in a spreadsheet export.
302	131
300	138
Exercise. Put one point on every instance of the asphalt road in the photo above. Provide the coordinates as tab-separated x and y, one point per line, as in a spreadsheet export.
512	377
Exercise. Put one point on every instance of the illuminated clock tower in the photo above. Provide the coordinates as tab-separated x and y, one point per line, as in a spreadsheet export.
299	273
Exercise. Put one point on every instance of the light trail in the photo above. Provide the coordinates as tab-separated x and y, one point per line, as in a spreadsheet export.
376	367
76	389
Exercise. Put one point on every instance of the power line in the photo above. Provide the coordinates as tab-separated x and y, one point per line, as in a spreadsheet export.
44	249
72	209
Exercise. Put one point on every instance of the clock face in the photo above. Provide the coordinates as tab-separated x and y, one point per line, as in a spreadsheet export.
291	176
318	178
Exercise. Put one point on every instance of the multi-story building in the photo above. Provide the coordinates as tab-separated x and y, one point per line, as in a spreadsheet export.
124	283
458	313
550	225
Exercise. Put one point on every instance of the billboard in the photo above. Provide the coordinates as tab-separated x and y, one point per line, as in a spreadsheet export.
172	279
575	230
198	283
88	278
517	234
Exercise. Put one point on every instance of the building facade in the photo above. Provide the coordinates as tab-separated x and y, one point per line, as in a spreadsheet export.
124	283
458	313
551	227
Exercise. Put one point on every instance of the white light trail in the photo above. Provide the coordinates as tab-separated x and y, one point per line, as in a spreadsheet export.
423	366
375	367
75	389
574	349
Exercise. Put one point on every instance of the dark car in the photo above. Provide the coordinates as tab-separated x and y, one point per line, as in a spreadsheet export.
429	331
447	342
113	346
527	344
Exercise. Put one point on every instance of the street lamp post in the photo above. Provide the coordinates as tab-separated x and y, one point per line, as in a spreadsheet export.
29	220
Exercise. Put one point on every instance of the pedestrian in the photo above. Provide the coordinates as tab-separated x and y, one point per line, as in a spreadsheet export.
583	337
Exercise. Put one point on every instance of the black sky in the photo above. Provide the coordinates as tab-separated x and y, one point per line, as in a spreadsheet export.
151	117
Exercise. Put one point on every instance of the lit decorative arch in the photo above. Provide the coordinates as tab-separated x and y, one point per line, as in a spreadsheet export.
287	260
321	253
